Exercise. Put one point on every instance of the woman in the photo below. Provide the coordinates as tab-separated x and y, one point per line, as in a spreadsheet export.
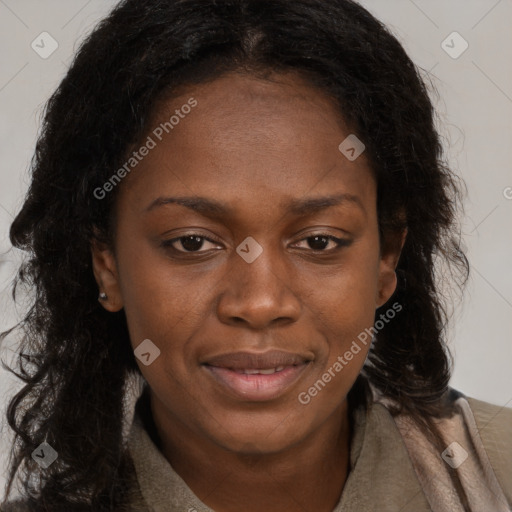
240	204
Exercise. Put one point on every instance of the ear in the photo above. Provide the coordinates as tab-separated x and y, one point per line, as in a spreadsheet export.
390	254
105	273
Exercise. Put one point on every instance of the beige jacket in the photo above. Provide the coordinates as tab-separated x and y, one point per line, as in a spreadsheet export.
393	467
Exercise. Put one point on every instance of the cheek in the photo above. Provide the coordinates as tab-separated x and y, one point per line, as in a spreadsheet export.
166	306
158	300
344	311
347	294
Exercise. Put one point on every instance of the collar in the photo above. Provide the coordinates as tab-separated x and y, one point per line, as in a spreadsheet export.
381	471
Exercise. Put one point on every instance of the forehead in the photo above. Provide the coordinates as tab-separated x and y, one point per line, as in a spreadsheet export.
246	140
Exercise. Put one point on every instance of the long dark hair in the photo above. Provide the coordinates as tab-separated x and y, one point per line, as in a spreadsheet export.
76	358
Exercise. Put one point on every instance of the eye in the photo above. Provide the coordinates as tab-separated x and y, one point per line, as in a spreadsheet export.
319	242
194	242
191	243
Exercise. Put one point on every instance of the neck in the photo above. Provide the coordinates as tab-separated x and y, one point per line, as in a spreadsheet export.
309	475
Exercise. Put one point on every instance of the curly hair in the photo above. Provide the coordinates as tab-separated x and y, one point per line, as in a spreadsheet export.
75	358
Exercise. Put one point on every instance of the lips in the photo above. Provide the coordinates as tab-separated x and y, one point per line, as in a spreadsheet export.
256	377
254	361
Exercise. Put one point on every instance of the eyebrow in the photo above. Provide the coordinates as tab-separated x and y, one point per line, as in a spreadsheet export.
214	209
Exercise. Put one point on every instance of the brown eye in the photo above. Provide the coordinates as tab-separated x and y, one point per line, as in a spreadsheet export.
318	242
321	241
188	243
191	243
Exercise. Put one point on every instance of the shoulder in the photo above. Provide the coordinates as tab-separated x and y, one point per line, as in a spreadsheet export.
492	419
21	505
494	425
15	506
133	501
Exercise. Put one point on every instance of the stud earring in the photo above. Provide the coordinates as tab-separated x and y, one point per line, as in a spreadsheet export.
102	296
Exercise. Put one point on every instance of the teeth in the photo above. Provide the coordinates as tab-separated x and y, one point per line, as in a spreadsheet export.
262	371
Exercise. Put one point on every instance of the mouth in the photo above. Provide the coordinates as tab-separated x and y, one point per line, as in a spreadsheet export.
256	371
256	384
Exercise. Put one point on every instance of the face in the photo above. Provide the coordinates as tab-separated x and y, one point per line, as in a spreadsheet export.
281	253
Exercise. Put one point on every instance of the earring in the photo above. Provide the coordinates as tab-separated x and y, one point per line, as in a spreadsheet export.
102	296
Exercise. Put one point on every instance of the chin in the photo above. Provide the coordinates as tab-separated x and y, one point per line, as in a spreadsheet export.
265	437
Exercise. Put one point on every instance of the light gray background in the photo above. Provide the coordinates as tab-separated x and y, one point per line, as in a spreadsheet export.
475	108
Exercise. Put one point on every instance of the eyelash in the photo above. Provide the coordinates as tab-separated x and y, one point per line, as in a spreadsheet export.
168	244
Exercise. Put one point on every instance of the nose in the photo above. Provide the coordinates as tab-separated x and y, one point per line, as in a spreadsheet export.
259	294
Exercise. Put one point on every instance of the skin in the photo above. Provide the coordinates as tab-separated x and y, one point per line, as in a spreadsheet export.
254	145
